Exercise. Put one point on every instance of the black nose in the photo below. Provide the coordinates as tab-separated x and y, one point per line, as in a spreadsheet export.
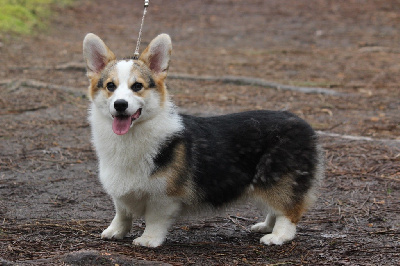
120	105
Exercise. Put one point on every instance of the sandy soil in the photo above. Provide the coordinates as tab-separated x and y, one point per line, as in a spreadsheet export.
52	207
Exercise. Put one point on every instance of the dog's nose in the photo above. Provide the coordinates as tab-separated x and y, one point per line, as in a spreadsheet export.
120	105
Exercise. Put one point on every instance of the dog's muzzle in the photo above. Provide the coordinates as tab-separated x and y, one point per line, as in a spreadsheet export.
122	121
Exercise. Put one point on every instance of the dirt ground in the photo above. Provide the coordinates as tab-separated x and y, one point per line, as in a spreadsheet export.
52	206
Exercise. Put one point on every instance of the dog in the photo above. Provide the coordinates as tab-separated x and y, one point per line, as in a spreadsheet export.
159	164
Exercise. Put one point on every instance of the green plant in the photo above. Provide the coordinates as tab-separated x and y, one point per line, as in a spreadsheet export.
23	16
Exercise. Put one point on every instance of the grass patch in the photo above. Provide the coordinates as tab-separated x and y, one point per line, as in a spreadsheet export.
24	16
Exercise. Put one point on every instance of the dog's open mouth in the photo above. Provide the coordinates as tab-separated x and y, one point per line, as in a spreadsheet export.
122	123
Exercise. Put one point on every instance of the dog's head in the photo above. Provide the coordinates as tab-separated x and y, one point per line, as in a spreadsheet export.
127	91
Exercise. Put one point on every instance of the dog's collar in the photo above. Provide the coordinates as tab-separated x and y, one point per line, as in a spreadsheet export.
136	54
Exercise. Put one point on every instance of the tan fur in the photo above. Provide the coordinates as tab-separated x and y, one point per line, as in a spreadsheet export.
280	197
162	89
174	172
93	86
144	57
296	212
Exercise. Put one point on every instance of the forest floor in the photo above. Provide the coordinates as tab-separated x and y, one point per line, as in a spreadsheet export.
52	206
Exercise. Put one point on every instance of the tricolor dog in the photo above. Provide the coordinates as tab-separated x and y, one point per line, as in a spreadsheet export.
158	164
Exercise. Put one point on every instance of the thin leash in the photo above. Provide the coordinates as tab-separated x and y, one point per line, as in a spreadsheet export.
136	54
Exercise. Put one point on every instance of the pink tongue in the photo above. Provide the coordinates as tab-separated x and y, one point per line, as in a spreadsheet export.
121	124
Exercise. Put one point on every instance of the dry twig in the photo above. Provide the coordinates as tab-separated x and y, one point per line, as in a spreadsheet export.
236	80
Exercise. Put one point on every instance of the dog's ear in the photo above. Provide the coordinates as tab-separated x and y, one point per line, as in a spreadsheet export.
96	54
157	55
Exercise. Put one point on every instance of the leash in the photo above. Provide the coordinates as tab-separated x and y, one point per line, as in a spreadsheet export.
136	54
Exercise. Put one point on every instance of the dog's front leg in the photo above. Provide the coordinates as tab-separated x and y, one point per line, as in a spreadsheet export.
159	216
120	225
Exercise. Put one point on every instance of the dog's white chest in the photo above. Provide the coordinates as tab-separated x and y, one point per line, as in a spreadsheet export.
125	164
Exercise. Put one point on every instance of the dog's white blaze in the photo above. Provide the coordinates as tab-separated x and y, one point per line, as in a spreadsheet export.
124	69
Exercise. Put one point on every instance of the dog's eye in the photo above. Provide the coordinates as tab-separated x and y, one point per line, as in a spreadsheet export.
111	86
137	86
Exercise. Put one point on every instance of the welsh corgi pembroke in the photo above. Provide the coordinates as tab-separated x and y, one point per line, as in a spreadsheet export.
158	164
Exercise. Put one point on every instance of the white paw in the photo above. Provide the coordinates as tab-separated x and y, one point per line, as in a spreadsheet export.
274	239
148	241
261	228
114	233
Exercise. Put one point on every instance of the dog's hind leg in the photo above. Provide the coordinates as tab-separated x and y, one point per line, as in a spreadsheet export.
284	211
283	231
282	218
265	227
281	228
120	225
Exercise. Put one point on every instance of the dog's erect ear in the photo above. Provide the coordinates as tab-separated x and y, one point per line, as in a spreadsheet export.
96	54
157	55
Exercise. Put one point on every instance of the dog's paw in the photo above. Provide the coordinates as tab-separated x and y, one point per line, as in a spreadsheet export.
113	233
148	241
261	228
274	239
